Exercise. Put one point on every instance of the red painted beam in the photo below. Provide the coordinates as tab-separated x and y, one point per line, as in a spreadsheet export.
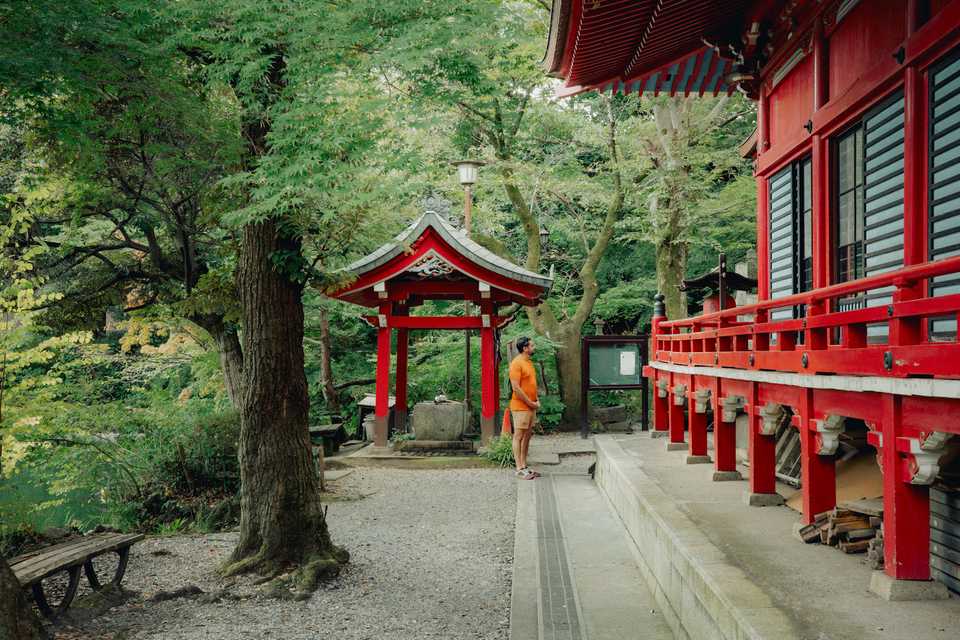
437	322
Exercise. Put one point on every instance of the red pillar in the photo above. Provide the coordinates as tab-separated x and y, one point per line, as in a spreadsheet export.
661	406
906	507
403	349
697	425
676	419
488	374
762	451
818	475
382	408
724	434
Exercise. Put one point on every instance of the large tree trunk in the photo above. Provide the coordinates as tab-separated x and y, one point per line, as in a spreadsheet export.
671	267
17	619
282	523
570	372
231	354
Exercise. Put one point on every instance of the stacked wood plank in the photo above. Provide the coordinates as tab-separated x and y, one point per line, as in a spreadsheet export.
851	527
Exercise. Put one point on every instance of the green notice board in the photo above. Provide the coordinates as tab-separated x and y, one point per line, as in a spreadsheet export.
614	364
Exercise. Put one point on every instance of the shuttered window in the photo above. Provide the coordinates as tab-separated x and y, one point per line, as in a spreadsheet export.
944	181
868	220
782	239
791	217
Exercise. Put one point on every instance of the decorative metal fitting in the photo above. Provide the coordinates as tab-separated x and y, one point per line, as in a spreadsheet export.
729	406
663	389
925	453
659	308
680	395
771	415
804	360
716	358
890	310
888	360
808	125
900	55
750	359
701	400
828	434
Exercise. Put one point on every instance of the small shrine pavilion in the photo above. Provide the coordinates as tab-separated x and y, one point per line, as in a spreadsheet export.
434	260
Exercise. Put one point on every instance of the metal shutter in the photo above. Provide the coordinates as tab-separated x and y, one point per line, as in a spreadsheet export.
883	199
944	212
945	537
782	239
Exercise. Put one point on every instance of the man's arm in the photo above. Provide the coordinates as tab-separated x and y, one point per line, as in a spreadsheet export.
523	396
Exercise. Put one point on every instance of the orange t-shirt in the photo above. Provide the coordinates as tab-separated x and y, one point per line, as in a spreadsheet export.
523	373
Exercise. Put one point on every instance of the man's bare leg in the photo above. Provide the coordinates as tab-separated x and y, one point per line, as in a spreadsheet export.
525	444
519	455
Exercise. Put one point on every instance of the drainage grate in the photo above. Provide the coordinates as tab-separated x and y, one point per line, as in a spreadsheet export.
558	607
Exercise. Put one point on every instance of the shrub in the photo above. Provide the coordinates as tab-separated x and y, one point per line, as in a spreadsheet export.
500	451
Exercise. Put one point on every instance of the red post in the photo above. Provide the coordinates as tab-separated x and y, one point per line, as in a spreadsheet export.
382	406
762	452
661	406
820	190
724	434
697	425
818	475
488	374
676	414
403	349
763	244
906	507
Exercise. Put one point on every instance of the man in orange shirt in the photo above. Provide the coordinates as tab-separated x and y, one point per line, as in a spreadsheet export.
523	405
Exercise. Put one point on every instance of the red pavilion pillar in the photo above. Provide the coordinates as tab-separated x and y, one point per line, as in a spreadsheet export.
488	373
401	408
382	405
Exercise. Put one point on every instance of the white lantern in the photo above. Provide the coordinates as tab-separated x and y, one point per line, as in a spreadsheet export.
467	170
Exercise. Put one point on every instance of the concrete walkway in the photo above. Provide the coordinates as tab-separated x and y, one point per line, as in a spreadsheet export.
575	576
822	591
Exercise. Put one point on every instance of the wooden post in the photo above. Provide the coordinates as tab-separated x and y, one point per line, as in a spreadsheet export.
906	507
677	400
382	405
697	425
661	406
763	457
488	374
724	436
401	408
818	475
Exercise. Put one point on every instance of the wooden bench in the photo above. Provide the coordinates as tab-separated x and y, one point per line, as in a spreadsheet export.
31	568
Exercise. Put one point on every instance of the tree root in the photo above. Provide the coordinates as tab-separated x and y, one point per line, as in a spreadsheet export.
291	581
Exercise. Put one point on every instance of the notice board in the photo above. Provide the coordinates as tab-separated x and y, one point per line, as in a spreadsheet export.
614	364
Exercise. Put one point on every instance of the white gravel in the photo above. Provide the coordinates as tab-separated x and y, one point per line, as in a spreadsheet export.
432	555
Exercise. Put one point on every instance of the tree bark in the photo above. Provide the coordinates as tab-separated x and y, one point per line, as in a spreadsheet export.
282	523
571	375
330	395
17	619
231	354
671	268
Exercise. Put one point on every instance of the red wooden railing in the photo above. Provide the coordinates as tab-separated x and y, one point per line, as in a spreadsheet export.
825	340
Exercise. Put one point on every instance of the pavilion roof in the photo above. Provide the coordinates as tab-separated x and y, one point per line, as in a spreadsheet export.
648	46
448	243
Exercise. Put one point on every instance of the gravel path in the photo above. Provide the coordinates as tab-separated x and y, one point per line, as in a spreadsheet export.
431	551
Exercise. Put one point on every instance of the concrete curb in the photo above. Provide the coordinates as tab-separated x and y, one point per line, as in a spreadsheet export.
524	603
702	595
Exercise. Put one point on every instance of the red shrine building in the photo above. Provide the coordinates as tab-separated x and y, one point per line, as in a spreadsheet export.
433	260
857	163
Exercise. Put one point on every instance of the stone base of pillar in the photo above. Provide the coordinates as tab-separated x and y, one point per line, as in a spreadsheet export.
763	499
380	431
677	446
658	434
487	430
905	590
699	460
726	476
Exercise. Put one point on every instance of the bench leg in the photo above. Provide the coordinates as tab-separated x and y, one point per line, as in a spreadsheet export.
92	578
40	597
121	565
123	557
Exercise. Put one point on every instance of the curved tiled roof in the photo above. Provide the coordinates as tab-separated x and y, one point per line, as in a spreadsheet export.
457	239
